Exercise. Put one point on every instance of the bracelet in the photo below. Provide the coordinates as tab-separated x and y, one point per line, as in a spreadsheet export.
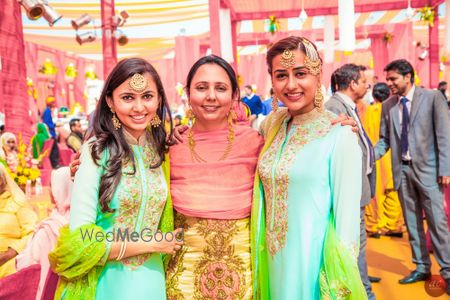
119	256
123	248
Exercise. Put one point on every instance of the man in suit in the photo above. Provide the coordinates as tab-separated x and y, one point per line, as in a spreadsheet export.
416	127
349	82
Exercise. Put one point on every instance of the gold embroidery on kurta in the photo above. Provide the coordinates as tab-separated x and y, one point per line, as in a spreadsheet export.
274	170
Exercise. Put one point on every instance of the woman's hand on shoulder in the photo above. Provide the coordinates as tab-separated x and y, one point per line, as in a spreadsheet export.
176	137
345	120
74	165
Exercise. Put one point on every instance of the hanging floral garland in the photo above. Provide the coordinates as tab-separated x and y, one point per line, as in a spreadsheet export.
274	25
91	74
388	37
48	68
71	72
240	80
31	90
426	14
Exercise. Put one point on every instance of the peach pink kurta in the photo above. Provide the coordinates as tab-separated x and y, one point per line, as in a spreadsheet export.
212	202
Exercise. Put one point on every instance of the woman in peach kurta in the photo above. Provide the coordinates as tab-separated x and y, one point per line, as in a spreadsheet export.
211	183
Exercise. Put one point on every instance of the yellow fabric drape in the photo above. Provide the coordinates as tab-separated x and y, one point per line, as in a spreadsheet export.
384	212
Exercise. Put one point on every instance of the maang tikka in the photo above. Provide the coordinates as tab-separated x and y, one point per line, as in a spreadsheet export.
287	59
138	83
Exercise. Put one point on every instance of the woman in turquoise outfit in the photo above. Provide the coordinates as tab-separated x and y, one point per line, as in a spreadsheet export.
305	215
120	196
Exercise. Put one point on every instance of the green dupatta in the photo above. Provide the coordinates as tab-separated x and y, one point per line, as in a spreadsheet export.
79	263
339	275
37	142
270	128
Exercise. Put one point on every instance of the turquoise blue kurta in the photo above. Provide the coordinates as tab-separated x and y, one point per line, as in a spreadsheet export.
139	201
309	173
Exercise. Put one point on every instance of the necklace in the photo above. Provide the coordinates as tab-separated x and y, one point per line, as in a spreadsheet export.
197	157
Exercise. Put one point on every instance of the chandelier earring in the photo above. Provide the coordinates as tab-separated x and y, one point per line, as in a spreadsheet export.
274	103
318	99
232	117
115	120
190	115
155	121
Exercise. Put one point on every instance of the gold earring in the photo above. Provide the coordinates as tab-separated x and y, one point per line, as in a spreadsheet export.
155	121
318	99
115	120
274	103
190	115
232	117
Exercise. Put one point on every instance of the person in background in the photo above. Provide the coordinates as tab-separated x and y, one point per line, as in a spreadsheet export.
351	86
253	102
47	119
242	111
37	141
8	151
269	104
416	127
384	213
177	120
442	87
47	232
17	222
75	138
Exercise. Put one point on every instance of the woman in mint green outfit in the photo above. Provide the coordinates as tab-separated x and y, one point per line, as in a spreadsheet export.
305	216
121	185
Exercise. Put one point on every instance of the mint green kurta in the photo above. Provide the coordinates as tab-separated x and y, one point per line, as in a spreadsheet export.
310	175
139	201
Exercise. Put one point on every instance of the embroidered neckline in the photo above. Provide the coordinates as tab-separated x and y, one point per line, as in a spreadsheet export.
306	117
141	141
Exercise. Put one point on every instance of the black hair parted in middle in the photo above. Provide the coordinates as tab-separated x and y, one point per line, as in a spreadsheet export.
112	140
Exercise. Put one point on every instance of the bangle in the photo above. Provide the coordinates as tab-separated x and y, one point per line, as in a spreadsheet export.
119	256
123	248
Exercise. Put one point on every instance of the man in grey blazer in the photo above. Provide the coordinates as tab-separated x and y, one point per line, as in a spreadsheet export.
350	83
416	127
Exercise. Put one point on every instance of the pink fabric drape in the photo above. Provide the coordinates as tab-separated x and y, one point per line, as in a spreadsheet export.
35	56
108	39
187	52
253	70
20	285
165	68
433	40
215	189
60	81
380	55
13	79
78	85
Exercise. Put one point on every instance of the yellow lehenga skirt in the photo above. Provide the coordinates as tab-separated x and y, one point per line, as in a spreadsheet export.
214	262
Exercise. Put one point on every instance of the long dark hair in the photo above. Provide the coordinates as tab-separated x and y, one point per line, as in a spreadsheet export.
215	60
112	140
